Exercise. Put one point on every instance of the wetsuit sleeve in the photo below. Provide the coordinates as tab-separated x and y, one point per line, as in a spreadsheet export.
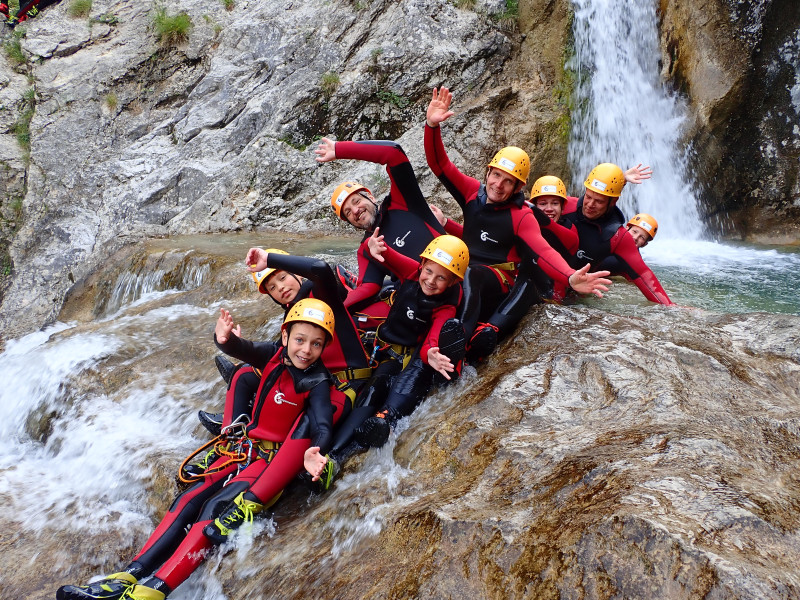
440	315
534	245
568	237
624	248
320	413
404	267
459	185
455	228
256	354
405	193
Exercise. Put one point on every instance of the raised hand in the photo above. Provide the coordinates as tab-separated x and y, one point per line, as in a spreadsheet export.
439	107
326	151
256	259
376	245
638	174
225	326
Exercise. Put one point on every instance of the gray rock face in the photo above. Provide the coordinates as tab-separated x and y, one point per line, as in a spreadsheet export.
132	139
739	64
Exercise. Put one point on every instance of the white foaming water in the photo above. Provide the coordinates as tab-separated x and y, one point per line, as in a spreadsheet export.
626	115
74	453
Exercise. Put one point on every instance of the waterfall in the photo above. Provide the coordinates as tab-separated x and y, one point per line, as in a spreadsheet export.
625	114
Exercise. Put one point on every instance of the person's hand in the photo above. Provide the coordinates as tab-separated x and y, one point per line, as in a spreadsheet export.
439	362
439	107
256	260
437	212
314	462
584	282
225	327
376	245
326	151
638	174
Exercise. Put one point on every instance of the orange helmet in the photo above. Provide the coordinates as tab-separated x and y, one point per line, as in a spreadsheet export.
342	191
549	185
311	310
646	222
260	277
450	252
513	161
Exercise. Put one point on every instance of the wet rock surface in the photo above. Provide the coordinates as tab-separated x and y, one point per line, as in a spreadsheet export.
596	455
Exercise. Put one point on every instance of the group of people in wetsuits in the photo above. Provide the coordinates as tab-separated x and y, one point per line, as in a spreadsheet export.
356	354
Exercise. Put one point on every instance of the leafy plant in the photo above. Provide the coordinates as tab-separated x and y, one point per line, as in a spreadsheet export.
79	9
229	4
510	15
392	98
171	29
465	4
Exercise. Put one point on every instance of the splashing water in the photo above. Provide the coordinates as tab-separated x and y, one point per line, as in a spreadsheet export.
625	113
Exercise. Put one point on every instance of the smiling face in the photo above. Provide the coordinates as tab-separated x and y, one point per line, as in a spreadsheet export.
640	236
596	205
359	210
434	278
551	206
500	185
282	286
304	343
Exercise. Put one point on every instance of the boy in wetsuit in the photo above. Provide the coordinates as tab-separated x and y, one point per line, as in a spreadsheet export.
294	383
420	336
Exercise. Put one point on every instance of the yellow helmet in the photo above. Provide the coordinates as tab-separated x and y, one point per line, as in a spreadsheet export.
607	179
261	277
646	222
450	252
340	194
513	161
549	185
311	310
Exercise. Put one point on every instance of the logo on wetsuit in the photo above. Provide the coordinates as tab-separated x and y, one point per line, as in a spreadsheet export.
281	399
485	237
583	256
400	242
410	313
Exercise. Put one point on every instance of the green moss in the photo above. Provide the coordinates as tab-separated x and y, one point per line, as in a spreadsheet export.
464	4
171	29
508	18
14	52
79	9
112	101
564	90
392	98
229	4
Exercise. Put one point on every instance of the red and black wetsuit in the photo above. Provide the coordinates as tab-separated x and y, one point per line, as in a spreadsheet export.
405	219
605	242
403	378
284	396
496	235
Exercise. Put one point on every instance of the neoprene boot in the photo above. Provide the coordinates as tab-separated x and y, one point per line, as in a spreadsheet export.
374	432
226	368
108	588
211	421
240	511
142	592
483	343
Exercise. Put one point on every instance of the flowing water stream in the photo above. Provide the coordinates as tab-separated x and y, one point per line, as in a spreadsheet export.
97	411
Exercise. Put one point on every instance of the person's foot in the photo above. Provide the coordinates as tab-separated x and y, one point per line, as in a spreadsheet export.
374	432
237	513
483	343
197	469
142	592
226	368
348	279
108	588
12	22
211	421
32	12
